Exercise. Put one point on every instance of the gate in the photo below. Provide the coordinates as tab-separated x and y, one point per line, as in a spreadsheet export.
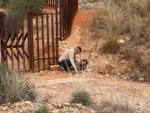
14	41
42	30
32	43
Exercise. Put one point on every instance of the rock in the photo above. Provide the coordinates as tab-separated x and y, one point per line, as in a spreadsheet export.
56	106
20	104
121	41
106	110
12	106
141	79
8	104
94	54
4	108
102	71
88	70
127	38
123	61
56	68
110	67
79	105
28	103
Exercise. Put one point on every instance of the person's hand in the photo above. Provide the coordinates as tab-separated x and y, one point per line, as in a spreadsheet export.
76	71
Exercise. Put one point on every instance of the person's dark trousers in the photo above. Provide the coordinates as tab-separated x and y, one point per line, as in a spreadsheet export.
66	64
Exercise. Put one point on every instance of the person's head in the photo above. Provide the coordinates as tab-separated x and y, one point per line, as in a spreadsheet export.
77	50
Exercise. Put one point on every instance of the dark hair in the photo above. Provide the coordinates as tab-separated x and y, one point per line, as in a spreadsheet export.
79	48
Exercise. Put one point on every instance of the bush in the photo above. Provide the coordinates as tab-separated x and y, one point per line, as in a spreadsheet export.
14	87
42	109
4	3
123	17
22	7
109	107
111	45
81	97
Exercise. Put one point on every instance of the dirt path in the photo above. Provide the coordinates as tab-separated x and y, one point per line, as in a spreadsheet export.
57	86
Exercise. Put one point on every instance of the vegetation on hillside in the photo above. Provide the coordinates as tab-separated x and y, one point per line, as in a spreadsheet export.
128	20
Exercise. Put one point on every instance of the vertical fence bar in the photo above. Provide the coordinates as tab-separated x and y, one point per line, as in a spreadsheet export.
60	10
31	49
47	18
5	39
43	43
1	22
23	48
56	5
37	28
53	38
12	52
17	41
2	35
63	19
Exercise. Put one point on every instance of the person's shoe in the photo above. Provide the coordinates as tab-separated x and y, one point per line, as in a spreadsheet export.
67	71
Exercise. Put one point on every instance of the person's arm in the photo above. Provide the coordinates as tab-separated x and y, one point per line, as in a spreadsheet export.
77	60
71	56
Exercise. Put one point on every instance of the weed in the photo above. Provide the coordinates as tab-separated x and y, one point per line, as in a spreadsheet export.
111	45
42	109
14	87
81	97
110	107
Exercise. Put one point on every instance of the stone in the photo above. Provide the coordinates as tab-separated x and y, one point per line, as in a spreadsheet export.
56	106
4	108
141	79
88	70
8	104
12	106
127	38
28	103
121	41
102	71
106	109
123	61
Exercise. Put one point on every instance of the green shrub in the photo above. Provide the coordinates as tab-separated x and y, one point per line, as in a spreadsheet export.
4	3
14	87
21	9
24	6
81	97
42	109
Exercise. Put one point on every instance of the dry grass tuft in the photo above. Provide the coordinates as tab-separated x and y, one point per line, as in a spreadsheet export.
14	87
111	45
122	17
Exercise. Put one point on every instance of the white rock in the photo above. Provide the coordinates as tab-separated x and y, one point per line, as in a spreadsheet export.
127	38
121	41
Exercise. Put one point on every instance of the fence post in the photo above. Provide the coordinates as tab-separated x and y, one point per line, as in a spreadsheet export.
56	5
31	47
1	34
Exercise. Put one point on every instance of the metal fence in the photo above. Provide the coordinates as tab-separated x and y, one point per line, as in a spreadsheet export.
31	44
